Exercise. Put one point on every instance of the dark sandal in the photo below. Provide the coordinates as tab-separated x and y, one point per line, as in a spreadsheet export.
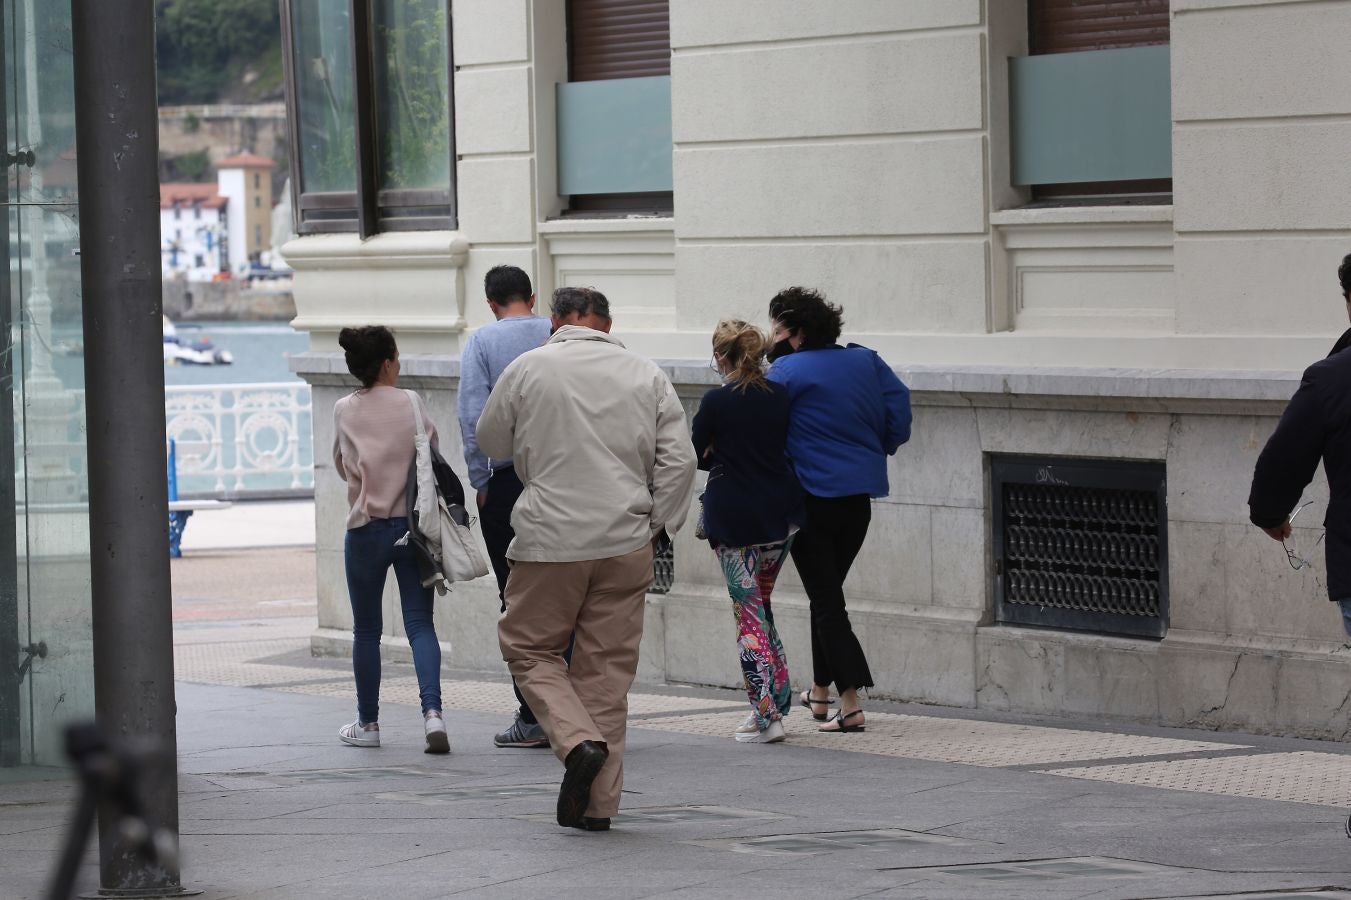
840	727
805	700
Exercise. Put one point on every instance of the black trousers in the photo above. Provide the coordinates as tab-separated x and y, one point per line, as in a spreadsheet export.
823	551
504	489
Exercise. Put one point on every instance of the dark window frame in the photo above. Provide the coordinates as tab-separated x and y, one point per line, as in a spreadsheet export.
369	209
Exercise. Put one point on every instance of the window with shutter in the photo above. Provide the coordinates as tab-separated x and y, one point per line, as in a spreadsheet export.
609	40
1085	26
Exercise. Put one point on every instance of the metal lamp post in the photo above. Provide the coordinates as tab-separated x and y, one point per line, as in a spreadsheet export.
116	119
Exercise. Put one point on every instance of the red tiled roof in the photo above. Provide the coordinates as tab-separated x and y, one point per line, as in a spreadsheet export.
184	193
245	161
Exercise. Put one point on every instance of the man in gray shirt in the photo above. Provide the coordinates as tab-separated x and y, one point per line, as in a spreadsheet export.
487	352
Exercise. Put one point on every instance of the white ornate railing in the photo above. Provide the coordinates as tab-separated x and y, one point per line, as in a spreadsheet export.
232	440
236	439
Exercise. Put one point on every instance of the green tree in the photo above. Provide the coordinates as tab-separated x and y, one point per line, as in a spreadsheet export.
202	45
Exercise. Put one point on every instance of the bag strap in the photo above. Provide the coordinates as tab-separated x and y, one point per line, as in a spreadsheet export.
421	429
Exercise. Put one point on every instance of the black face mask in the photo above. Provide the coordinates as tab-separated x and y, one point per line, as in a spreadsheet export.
781	349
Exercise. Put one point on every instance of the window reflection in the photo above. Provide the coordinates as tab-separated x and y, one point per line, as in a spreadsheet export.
326	117
412	90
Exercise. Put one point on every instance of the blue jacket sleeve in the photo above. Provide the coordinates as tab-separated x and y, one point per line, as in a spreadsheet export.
896	397
1289	459
473	397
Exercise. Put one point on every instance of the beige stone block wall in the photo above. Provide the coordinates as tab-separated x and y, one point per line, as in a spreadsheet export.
899	286
851	157
1261	205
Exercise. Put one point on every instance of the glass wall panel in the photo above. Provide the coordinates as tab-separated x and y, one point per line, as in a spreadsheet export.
412	94
321	31
45	622
43	76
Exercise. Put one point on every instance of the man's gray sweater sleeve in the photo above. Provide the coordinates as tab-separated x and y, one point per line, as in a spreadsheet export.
473	396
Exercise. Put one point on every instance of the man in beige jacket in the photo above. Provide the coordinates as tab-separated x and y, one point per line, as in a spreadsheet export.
600	442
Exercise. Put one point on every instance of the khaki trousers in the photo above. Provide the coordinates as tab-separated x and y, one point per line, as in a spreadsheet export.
601	601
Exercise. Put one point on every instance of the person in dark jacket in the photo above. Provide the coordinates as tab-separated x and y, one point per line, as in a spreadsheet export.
752	504
1316	426
847	413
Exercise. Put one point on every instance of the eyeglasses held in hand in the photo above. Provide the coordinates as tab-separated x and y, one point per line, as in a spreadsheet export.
1296	561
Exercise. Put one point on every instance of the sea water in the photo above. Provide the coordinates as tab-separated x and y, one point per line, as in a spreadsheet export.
261	351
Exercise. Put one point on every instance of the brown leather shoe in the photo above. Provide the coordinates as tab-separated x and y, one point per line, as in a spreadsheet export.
581	766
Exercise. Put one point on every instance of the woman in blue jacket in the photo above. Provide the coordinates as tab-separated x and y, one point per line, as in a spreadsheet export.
847	413
752	503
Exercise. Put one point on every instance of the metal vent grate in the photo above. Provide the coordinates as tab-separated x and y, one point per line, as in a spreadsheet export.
1081	544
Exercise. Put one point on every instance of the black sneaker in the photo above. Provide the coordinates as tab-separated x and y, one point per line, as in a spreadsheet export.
522	734
582	765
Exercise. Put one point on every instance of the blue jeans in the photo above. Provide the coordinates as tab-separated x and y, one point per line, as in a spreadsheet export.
369	551
1346	614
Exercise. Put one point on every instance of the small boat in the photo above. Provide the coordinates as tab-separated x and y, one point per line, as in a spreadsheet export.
200	352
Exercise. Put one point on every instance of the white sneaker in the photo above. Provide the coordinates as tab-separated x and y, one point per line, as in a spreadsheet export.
750	726
770	735
359	735
437	741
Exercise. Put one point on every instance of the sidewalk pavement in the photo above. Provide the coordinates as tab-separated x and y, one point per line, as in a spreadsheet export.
928	803
251	523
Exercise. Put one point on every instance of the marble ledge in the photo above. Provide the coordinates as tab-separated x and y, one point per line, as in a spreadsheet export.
1039	381
1156	384
415	365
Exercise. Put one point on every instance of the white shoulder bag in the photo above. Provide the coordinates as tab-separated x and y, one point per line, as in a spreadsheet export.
445	531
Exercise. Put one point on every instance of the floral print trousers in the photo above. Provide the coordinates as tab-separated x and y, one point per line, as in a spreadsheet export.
751	573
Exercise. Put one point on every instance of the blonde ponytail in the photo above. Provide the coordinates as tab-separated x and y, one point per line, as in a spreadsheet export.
743	347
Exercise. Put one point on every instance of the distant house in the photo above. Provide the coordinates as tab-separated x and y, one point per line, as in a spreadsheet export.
246	180
207	229
194	231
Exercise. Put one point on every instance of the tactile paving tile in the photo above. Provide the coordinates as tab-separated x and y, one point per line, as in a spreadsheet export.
1323	779
963	741
232	664
644	704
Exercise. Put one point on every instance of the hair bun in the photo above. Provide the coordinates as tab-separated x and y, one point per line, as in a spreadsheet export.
368	347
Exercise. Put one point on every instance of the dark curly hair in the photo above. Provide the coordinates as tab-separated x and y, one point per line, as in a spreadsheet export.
367	349
1344	276
808	314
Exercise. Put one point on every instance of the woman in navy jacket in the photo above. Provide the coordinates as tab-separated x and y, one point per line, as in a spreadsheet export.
752	503
847	413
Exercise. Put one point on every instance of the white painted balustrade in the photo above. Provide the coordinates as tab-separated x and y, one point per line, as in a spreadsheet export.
236	439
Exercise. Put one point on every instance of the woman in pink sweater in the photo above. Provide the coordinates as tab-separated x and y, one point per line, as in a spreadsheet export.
373	432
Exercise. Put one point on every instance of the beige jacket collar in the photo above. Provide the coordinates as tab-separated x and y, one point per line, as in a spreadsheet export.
582	333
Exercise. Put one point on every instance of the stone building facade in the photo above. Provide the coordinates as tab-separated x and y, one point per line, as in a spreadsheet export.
1149	302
